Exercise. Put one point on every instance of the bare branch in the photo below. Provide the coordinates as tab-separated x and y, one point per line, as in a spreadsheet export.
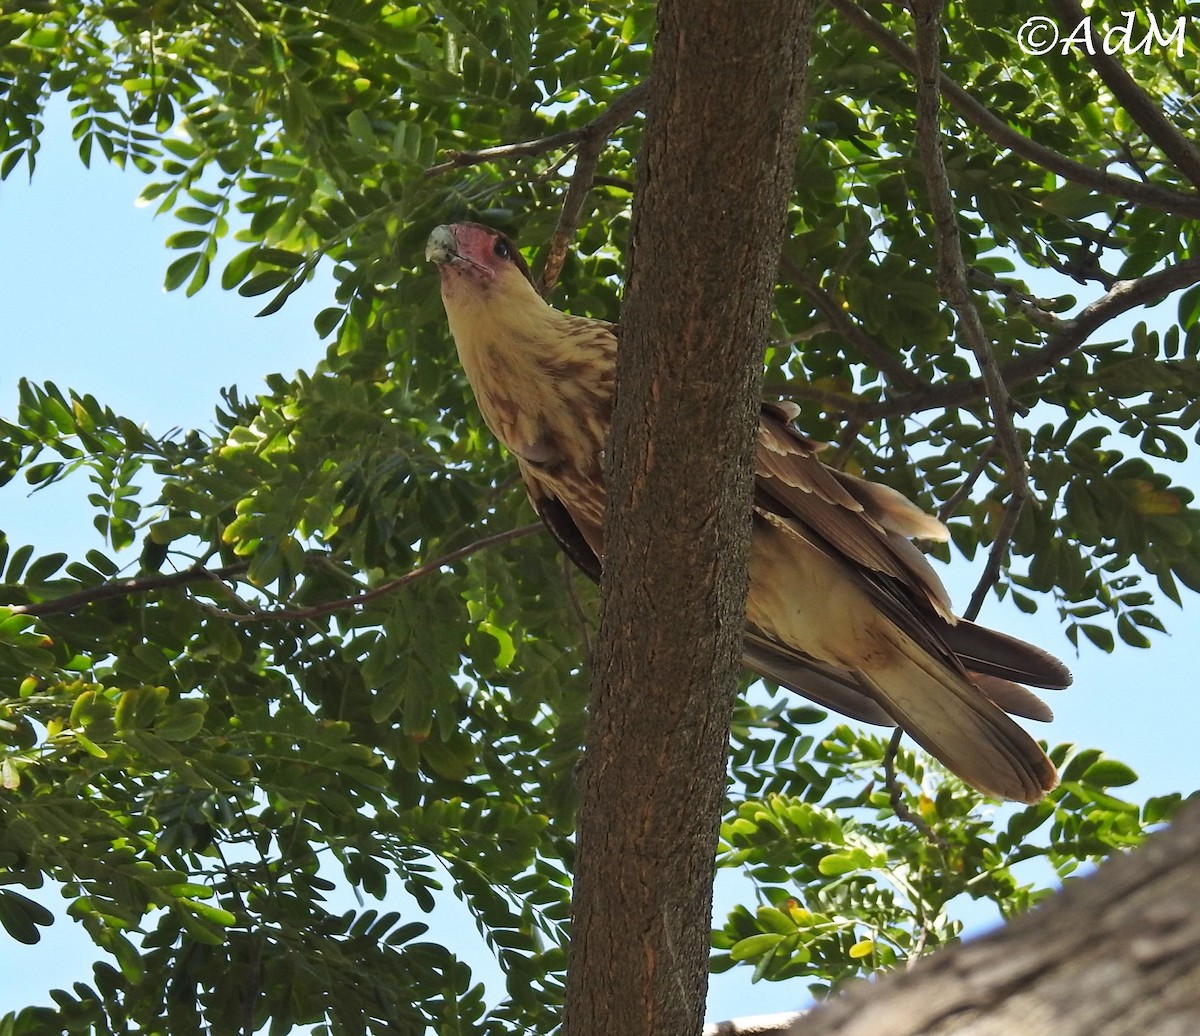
1029	306
834	402
157	581
587	156
855	336
1120	298
126	587
995	561
755	1025
428	568
1140	106
950	507
600	127
953	276
896	797
1150	195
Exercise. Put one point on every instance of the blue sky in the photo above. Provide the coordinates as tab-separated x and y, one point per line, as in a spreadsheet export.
81	304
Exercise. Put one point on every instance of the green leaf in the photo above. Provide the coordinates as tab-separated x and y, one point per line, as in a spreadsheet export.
755	946
181	269
1108	773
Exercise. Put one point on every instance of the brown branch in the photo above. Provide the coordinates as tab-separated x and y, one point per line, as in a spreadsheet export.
1030	306
134	585
1122	297
158	581
600	127
950	507
429	567
834	402
995	561
896	797
568	574
1150	195
591	143
587	157
846	446
953	276
1140	106
855	336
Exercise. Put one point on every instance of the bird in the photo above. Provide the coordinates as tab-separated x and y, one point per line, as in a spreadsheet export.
842	606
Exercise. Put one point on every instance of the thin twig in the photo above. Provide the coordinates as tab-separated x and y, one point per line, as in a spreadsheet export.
568	570
896	797
1150	195
1141	107
1120	298
950	507
608	120
995	561
846	446
952	270
1031	307
855	336
134	585
807	335
834	402
587	157
429	567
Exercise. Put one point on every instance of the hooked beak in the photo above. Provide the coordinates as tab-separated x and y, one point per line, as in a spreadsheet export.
442	246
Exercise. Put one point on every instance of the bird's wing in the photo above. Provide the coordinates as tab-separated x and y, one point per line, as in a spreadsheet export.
825	684
869	525
561	525
866	523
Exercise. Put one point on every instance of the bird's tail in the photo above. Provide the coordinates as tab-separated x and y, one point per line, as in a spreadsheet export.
949	716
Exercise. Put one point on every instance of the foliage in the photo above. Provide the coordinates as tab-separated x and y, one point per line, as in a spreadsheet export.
197	773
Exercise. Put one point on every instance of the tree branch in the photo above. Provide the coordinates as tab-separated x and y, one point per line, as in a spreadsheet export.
587	157
1122	297
600	127
896	796
995	561
952	274
1150	195
157	581
591	142
134	585
1140	106
429	567
1115	952
856	337
1029	306
950	507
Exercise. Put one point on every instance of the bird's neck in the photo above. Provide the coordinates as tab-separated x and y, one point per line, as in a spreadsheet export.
533	368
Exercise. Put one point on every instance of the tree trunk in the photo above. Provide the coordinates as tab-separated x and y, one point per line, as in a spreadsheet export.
713	184
1113	954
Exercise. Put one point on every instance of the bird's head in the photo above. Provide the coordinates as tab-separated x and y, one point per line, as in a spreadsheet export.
487	289
478	266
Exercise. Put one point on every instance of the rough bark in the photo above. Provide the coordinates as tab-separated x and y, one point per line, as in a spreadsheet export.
713	183
1112	954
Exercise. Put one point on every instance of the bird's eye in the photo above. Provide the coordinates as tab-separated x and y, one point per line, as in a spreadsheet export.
501	249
